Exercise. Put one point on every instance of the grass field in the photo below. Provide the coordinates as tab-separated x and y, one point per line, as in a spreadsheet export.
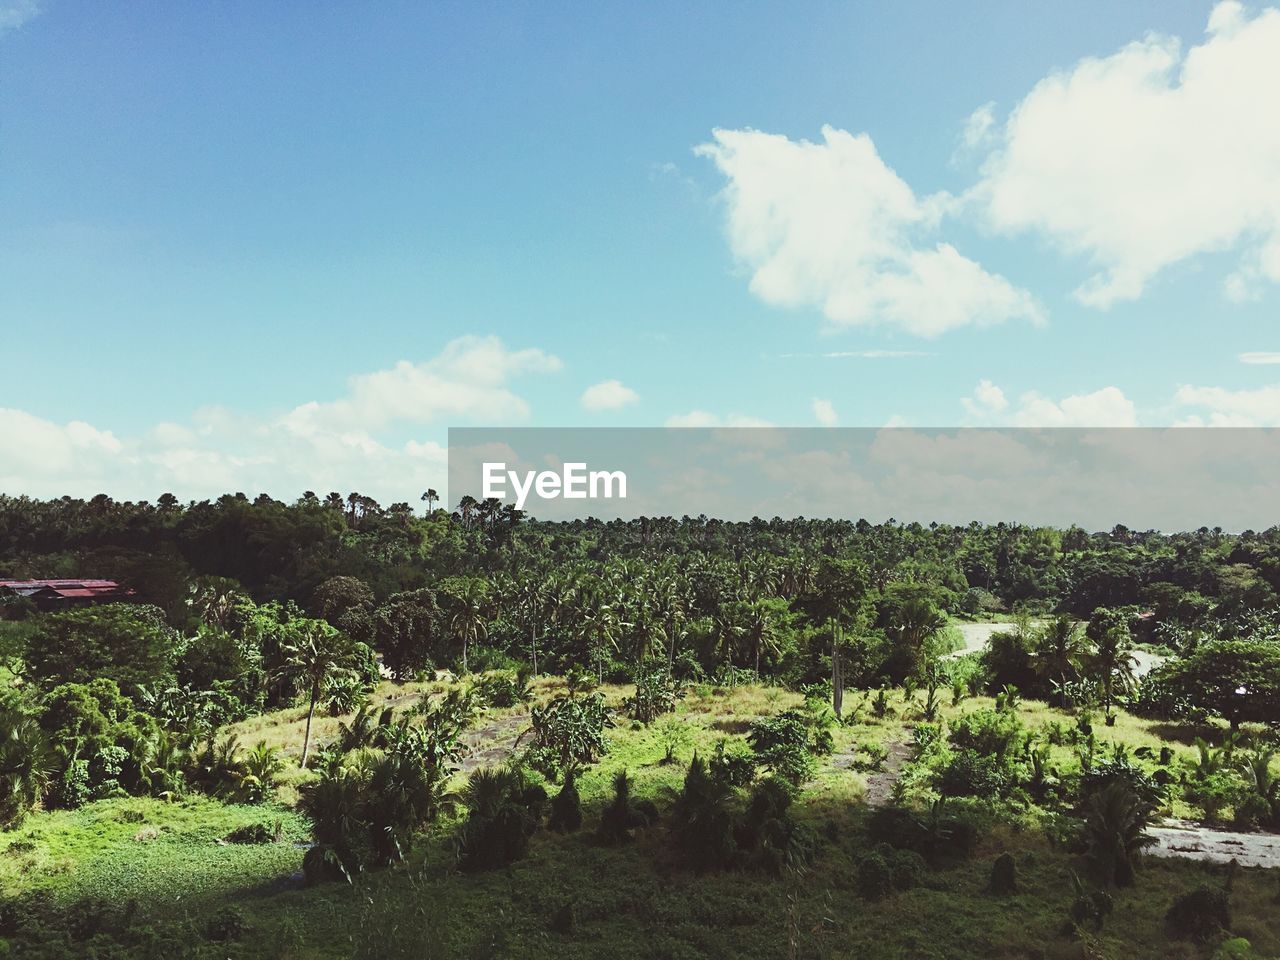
636	901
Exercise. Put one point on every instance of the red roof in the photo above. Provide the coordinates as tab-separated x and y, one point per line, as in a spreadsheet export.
67	588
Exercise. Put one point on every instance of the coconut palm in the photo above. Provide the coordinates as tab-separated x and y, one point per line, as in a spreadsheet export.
1116	821
313	653
1059	652
470	598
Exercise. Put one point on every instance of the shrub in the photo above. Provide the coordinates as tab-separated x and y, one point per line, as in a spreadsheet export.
656	694
1201	915
227	924
569	731
504	688
767	836
967	773
875	877
504	811
621	818
908	869
736	767
702	819
256	833
1004	875
783	743
566	807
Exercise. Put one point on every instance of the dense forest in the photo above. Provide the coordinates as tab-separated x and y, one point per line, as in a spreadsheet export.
248	617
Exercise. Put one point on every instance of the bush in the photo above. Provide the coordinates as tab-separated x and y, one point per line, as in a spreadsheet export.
783	744
566	807
504	811
702	819
1201	915
569	732
656	694
875	877
256	833
736	767
227	924
908	869
621	818
1004	875
504	688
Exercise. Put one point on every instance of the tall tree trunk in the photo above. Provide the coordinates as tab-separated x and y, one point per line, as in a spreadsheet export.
837	675
306	737
533	637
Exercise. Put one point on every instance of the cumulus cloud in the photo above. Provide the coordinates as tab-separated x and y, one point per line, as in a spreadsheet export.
825	413
342	444
1150	156
608	395
15	13
1108	407
987	399
701	418
1220	407
468	379
830	225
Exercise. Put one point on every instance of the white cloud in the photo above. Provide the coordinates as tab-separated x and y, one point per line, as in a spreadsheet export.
1108	407
1149	156
701	418
825	413
468	379
608	395
979	127
830	225
340	445
15	13
1220	407
1260	357
987	399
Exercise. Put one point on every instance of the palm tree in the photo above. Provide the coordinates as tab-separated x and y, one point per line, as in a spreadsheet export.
470	599
1264	784
431	498
1059	651
26	764
1116	821
314	652
1112	662
759	631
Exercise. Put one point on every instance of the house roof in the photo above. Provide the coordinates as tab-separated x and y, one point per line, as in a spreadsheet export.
70	589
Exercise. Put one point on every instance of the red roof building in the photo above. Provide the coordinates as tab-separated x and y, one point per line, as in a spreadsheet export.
61	594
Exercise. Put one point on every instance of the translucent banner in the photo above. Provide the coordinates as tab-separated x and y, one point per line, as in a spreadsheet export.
1161	479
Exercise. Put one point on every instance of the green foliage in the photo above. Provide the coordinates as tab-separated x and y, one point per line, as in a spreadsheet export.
566	807
26	764
1116	821
784	743
621	817
1201	915
1236	679
125	643
504	811
656	693
569	731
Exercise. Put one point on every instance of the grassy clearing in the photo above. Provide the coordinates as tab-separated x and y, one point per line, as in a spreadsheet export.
631	902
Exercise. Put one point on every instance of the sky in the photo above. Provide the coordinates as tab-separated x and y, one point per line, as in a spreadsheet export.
283	247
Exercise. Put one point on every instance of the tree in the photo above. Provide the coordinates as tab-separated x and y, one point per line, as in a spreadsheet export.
431	498
1116	821
347	603
1112	659
1059	651
1239	680
314	652
26	764
130	644
468	600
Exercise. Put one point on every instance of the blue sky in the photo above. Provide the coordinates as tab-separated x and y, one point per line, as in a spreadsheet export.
214	217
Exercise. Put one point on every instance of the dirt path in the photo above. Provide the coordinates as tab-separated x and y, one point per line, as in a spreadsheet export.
880	783
1182	838
490	745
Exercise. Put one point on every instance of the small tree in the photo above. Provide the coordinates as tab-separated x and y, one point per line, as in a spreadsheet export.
314	652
